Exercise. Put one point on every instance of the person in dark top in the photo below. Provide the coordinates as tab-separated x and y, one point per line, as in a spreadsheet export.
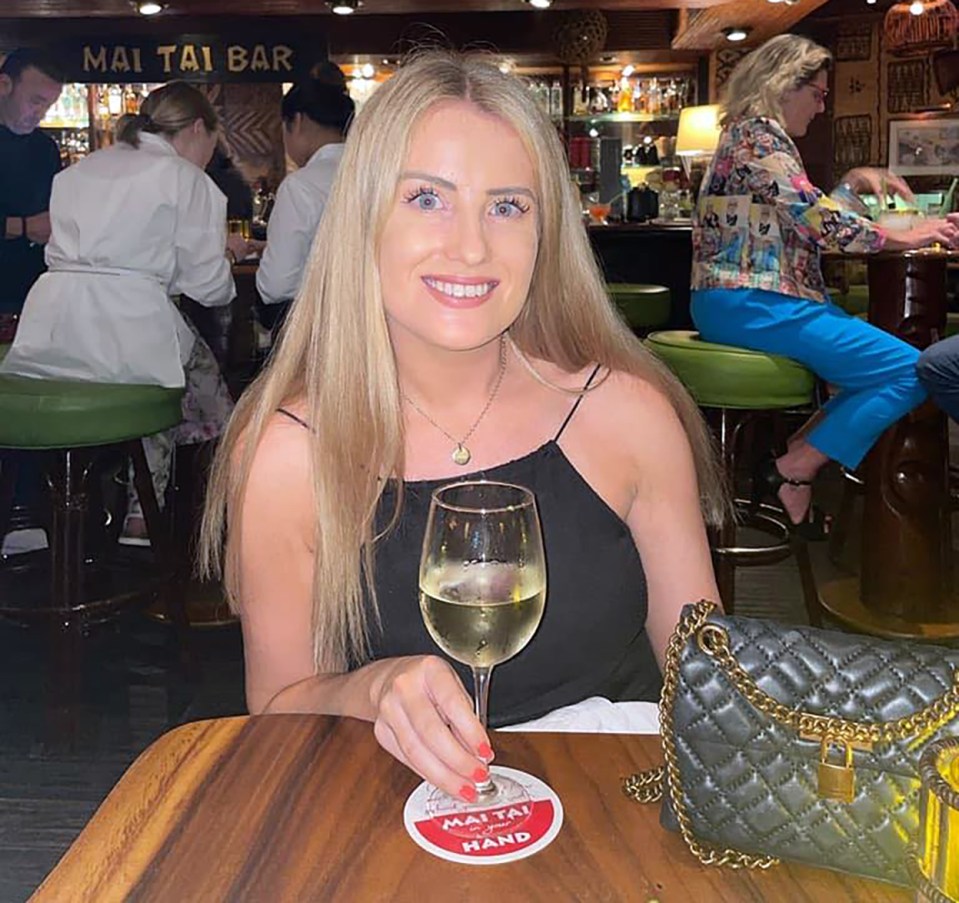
229	179
452	324
30	84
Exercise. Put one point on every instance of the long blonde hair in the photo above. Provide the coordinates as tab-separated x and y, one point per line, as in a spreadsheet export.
335	350
760	80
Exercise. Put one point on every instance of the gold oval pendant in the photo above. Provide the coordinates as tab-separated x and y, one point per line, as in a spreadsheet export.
461	455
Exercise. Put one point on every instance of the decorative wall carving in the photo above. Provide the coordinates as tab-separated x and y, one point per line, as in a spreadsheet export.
908	85
854	41
852	142
722	63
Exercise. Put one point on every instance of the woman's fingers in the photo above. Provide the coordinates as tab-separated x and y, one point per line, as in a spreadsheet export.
454	702
418	751
425	719
897	185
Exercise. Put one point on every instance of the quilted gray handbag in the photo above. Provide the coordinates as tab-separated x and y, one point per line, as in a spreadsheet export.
797	743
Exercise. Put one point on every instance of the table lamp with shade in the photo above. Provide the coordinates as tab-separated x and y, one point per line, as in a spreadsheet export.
696	141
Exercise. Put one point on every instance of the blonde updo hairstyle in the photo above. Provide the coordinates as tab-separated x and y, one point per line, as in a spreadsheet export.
760	80
335	352
166	111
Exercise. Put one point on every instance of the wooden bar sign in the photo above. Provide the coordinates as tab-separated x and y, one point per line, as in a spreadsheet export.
203	58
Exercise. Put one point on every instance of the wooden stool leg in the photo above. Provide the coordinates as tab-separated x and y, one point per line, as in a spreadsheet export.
161	543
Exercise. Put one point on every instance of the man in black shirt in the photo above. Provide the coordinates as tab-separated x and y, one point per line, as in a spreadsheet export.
29	85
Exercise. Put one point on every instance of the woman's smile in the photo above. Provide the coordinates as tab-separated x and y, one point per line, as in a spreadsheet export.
459	291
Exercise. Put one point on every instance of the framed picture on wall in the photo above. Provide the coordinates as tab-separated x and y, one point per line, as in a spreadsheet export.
924	147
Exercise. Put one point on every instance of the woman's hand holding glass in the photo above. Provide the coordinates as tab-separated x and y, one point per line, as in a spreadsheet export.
924	233
424	717
879	182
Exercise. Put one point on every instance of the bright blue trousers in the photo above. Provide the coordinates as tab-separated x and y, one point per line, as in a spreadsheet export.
874	371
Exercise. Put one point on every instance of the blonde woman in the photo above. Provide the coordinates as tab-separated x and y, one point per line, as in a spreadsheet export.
450	321
758	231
132	226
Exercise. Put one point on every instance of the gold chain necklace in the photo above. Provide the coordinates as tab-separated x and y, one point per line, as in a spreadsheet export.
461	454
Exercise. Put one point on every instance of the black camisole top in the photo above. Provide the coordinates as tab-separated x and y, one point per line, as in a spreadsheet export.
592	639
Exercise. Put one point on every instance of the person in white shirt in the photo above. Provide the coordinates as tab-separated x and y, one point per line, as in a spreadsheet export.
132	226
316	115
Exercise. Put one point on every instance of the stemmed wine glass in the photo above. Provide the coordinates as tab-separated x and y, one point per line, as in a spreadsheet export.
482	593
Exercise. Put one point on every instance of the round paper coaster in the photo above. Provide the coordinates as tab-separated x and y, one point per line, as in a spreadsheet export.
502	833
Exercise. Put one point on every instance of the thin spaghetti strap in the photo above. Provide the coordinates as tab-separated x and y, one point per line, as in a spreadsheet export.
293	416
572	410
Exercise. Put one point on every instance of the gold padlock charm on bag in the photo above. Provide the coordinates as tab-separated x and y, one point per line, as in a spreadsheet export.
836	782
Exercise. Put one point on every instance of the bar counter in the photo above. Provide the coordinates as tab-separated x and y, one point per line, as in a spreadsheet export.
658	253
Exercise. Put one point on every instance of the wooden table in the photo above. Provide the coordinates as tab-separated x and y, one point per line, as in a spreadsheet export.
905	588
305	807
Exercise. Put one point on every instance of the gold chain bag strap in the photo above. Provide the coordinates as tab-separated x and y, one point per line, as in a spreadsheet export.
797	743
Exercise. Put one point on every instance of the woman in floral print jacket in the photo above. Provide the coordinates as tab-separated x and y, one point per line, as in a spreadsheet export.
758	230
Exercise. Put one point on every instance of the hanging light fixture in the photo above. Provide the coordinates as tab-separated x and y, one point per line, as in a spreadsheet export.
540	4
148	7
917	27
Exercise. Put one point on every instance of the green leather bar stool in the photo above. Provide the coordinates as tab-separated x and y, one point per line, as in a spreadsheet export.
644	307
75	424
738	385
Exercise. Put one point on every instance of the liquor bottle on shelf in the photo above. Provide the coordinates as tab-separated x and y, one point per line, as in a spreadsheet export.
103	110
625	101
639	97
115	100
598	101
654	98
556	100
131	100
580	99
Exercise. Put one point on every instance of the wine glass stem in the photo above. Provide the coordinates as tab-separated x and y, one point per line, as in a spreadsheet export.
481	704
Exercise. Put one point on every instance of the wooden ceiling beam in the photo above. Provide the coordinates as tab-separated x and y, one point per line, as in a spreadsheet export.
703	29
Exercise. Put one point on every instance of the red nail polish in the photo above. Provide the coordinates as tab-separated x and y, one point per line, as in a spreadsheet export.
468	793
485	751
480	774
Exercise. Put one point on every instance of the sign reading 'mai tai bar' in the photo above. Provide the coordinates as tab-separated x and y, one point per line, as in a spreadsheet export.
213	58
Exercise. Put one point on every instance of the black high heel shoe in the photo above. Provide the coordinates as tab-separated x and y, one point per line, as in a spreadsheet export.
768	480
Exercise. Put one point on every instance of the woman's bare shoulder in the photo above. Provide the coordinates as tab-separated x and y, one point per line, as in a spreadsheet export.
635	412
623	390
279	476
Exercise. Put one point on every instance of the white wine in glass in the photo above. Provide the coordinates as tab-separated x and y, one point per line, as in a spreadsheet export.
482	590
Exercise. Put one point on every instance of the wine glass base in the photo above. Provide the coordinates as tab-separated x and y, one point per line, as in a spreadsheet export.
525	817
504	808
